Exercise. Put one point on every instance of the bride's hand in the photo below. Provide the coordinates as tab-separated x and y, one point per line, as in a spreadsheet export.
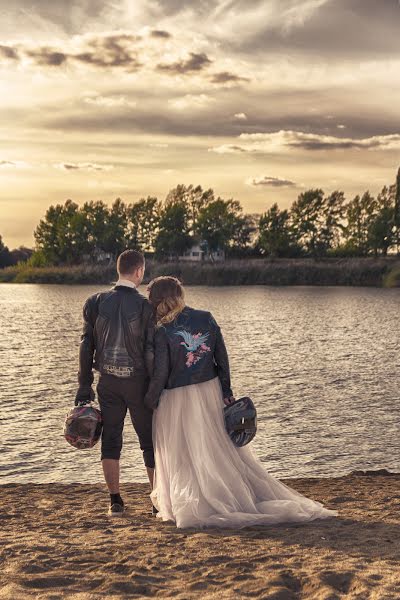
228	401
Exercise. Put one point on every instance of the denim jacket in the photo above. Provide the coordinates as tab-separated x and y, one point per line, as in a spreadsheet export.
189	350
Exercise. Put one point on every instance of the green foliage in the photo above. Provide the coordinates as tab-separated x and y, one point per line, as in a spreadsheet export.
60	236
194	198
220	224
370	227
143	219
396	212
276	236
316	225
5	255
173	236
317	221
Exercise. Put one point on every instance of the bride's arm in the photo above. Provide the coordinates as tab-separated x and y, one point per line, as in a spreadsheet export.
222	362
161	370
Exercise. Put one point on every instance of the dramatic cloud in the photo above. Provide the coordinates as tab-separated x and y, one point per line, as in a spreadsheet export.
114	49
83	167
111	50
280	141
321	29
269	181
303	88
196	62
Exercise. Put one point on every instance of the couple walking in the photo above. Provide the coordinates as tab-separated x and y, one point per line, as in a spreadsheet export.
167	364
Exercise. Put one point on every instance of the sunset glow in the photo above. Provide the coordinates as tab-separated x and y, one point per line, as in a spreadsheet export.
258	100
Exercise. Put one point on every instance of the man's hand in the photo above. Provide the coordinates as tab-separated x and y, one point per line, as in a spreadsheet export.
228	401
84	395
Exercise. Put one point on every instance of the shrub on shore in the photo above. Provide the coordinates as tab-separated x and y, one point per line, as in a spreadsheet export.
347	272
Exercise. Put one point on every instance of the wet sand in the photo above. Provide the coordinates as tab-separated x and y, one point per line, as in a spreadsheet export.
57	542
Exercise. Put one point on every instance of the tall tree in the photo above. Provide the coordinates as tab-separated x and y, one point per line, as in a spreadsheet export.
115	238
276	236
360	213
194	197
333	221
381	233
5	255
59	236
143	223
95	224
396	218
221	224
173	237
307	217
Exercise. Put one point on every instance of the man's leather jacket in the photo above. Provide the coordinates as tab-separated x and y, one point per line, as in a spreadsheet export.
117	336
189	350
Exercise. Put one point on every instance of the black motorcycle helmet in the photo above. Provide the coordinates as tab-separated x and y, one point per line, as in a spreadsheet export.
241	421
83	426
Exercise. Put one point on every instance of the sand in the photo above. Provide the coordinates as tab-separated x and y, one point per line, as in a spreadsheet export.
57	542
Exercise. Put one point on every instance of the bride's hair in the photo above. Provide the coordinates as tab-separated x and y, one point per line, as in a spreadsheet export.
167	296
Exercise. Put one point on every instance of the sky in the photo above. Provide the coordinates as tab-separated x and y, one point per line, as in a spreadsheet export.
258	99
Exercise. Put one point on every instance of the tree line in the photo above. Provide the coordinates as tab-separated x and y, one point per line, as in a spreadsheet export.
316	225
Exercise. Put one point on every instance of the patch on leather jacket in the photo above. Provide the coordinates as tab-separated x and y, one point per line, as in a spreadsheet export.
195	344
117	362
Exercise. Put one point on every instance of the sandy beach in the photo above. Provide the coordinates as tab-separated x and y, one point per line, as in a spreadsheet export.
57	542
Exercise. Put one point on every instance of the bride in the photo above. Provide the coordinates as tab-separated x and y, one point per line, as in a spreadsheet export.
201	478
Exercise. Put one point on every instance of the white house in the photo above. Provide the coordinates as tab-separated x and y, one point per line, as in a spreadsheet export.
196	253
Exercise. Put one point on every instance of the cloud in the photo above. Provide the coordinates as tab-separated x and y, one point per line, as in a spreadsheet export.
110	101
14	164
159	33
269	181
7	163
8	52
227	77
281	141
196	62
105	50
47	57
365	28
110	50
191	101
83	167
240	116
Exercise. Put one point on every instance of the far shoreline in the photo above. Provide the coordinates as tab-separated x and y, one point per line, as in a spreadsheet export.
360	272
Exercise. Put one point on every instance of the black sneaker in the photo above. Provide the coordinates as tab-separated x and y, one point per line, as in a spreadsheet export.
116	510
154	510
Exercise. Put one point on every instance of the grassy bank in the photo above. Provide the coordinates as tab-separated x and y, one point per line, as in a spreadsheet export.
355	271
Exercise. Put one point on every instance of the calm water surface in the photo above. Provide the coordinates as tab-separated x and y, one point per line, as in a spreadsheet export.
322	365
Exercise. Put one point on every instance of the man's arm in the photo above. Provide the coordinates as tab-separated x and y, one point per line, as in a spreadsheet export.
85	393
149	334
161	370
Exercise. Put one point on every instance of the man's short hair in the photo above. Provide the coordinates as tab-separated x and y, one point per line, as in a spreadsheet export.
129	261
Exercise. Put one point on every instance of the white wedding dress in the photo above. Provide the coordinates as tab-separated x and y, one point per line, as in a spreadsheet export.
203	480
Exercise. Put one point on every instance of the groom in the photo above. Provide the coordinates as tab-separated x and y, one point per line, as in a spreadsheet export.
117	341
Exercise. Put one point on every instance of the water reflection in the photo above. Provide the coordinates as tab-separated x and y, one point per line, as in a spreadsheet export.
321	364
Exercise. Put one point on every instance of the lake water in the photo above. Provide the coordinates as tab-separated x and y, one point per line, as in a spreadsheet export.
322	365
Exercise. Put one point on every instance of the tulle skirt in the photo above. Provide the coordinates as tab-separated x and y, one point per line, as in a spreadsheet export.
203	480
